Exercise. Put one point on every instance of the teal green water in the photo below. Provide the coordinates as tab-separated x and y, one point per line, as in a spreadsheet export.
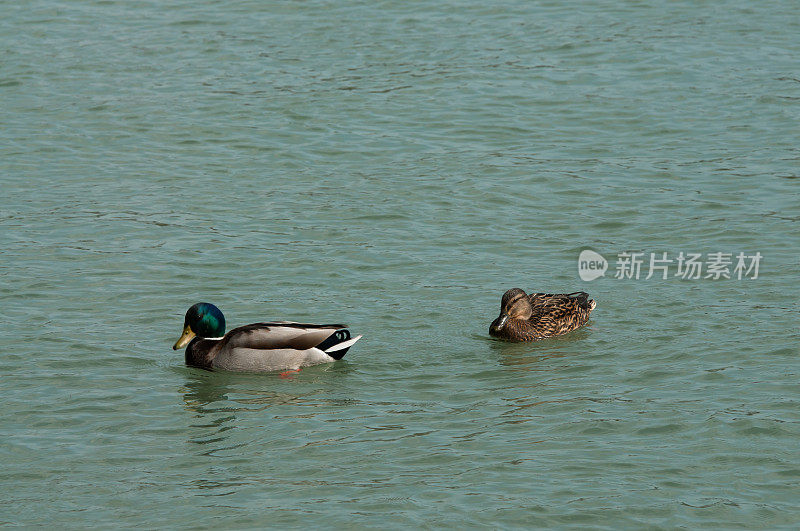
397	166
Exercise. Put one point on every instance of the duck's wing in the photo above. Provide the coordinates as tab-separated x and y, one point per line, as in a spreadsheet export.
280	335
547	302
557	313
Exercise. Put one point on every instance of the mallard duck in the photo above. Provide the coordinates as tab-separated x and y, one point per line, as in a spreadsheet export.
526	317
259	347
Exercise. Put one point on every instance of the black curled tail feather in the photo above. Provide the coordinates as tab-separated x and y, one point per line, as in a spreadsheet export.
340	336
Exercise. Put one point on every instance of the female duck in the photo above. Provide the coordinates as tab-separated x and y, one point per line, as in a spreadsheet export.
260	347
526	317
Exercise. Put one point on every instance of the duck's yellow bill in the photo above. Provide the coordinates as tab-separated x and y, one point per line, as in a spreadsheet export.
187	336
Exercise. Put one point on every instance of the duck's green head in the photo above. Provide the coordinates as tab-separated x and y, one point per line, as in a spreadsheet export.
202	320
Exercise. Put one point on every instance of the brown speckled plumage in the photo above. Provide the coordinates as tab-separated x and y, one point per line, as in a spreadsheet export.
526	317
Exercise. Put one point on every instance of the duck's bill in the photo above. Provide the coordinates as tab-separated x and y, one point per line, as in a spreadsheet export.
500	322
187	336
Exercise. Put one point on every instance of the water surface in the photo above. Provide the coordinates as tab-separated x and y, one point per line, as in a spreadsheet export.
398	166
